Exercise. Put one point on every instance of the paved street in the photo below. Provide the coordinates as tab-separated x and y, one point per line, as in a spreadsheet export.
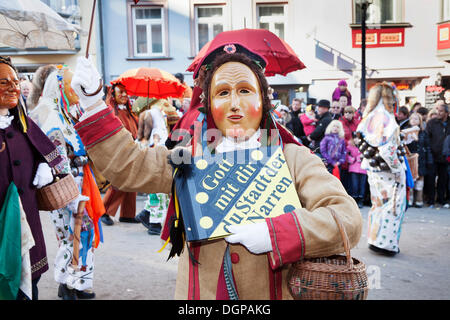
129	267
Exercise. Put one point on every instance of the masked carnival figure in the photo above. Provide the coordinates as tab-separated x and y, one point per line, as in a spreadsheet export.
154	125
252	262
52	106
378	138
117	99
26	155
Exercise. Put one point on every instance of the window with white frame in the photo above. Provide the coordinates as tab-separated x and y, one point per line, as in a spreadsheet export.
209	21
380	11
273	18
148	31
445	10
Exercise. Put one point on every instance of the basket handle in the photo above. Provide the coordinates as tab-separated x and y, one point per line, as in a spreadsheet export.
407	152
344	237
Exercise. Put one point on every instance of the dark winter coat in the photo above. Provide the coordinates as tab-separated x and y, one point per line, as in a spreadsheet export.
422	147
321	125
296	126
437	132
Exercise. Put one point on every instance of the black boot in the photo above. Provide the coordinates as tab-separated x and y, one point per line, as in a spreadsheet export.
106	219
155	229
383	251
65	293
144	218
128	220
83	295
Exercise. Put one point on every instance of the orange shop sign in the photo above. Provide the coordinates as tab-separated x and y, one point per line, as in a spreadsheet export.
378	38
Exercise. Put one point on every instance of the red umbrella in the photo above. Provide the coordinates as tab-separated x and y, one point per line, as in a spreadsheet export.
280	57
150	82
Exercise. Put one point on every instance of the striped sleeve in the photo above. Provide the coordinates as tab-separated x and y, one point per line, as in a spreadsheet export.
288	241
98	127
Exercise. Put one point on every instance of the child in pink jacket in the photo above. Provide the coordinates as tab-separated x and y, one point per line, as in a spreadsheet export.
358	176
308	120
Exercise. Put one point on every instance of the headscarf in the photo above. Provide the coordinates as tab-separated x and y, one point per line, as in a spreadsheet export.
50	113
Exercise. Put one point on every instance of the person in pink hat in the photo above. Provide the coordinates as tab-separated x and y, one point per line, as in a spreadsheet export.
341	90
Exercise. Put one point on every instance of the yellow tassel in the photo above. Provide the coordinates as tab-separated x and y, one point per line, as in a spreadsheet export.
23	121
165	244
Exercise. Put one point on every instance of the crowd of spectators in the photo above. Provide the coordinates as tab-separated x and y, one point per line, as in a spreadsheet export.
327	128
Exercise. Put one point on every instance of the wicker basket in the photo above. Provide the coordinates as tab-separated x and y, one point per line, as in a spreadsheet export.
335	277
413	161
58	194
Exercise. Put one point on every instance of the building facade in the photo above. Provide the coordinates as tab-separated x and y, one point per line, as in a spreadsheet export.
407	42
74	11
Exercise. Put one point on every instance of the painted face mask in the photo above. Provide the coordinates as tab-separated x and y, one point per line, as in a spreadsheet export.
9	87
236	103
120	94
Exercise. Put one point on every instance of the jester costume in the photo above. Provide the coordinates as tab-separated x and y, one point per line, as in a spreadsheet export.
51	110
386	171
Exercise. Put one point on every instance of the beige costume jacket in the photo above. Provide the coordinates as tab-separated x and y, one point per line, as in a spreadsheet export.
309	231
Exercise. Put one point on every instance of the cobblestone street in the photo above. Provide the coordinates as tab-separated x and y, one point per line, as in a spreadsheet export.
128	266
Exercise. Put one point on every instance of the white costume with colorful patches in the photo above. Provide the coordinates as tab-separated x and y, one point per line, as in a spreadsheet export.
387	188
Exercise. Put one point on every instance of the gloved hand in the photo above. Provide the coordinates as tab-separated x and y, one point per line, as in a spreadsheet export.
254	236
179	157
86	76
73	205
43	175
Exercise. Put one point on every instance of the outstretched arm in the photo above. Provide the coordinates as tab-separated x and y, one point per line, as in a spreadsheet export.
122	161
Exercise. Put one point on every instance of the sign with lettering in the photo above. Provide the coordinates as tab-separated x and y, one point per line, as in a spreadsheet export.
377	38
433	94
238	187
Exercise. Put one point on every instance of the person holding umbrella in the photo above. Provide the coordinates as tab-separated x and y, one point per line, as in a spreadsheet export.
117	98
237	104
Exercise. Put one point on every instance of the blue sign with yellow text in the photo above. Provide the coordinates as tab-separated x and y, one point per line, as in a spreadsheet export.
239	187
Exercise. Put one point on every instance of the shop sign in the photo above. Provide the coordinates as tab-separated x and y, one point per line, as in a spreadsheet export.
433	94
378	38
443	36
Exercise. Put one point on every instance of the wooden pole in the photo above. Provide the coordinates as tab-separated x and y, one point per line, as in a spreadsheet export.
100	86
90	29
76	234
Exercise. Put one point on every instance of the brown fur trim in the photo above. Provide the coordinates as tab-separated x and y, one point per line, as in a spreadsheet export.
39	78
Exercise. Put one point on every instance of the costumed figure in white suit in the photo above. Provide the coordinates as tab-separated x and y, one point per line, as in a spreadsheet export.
380	144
